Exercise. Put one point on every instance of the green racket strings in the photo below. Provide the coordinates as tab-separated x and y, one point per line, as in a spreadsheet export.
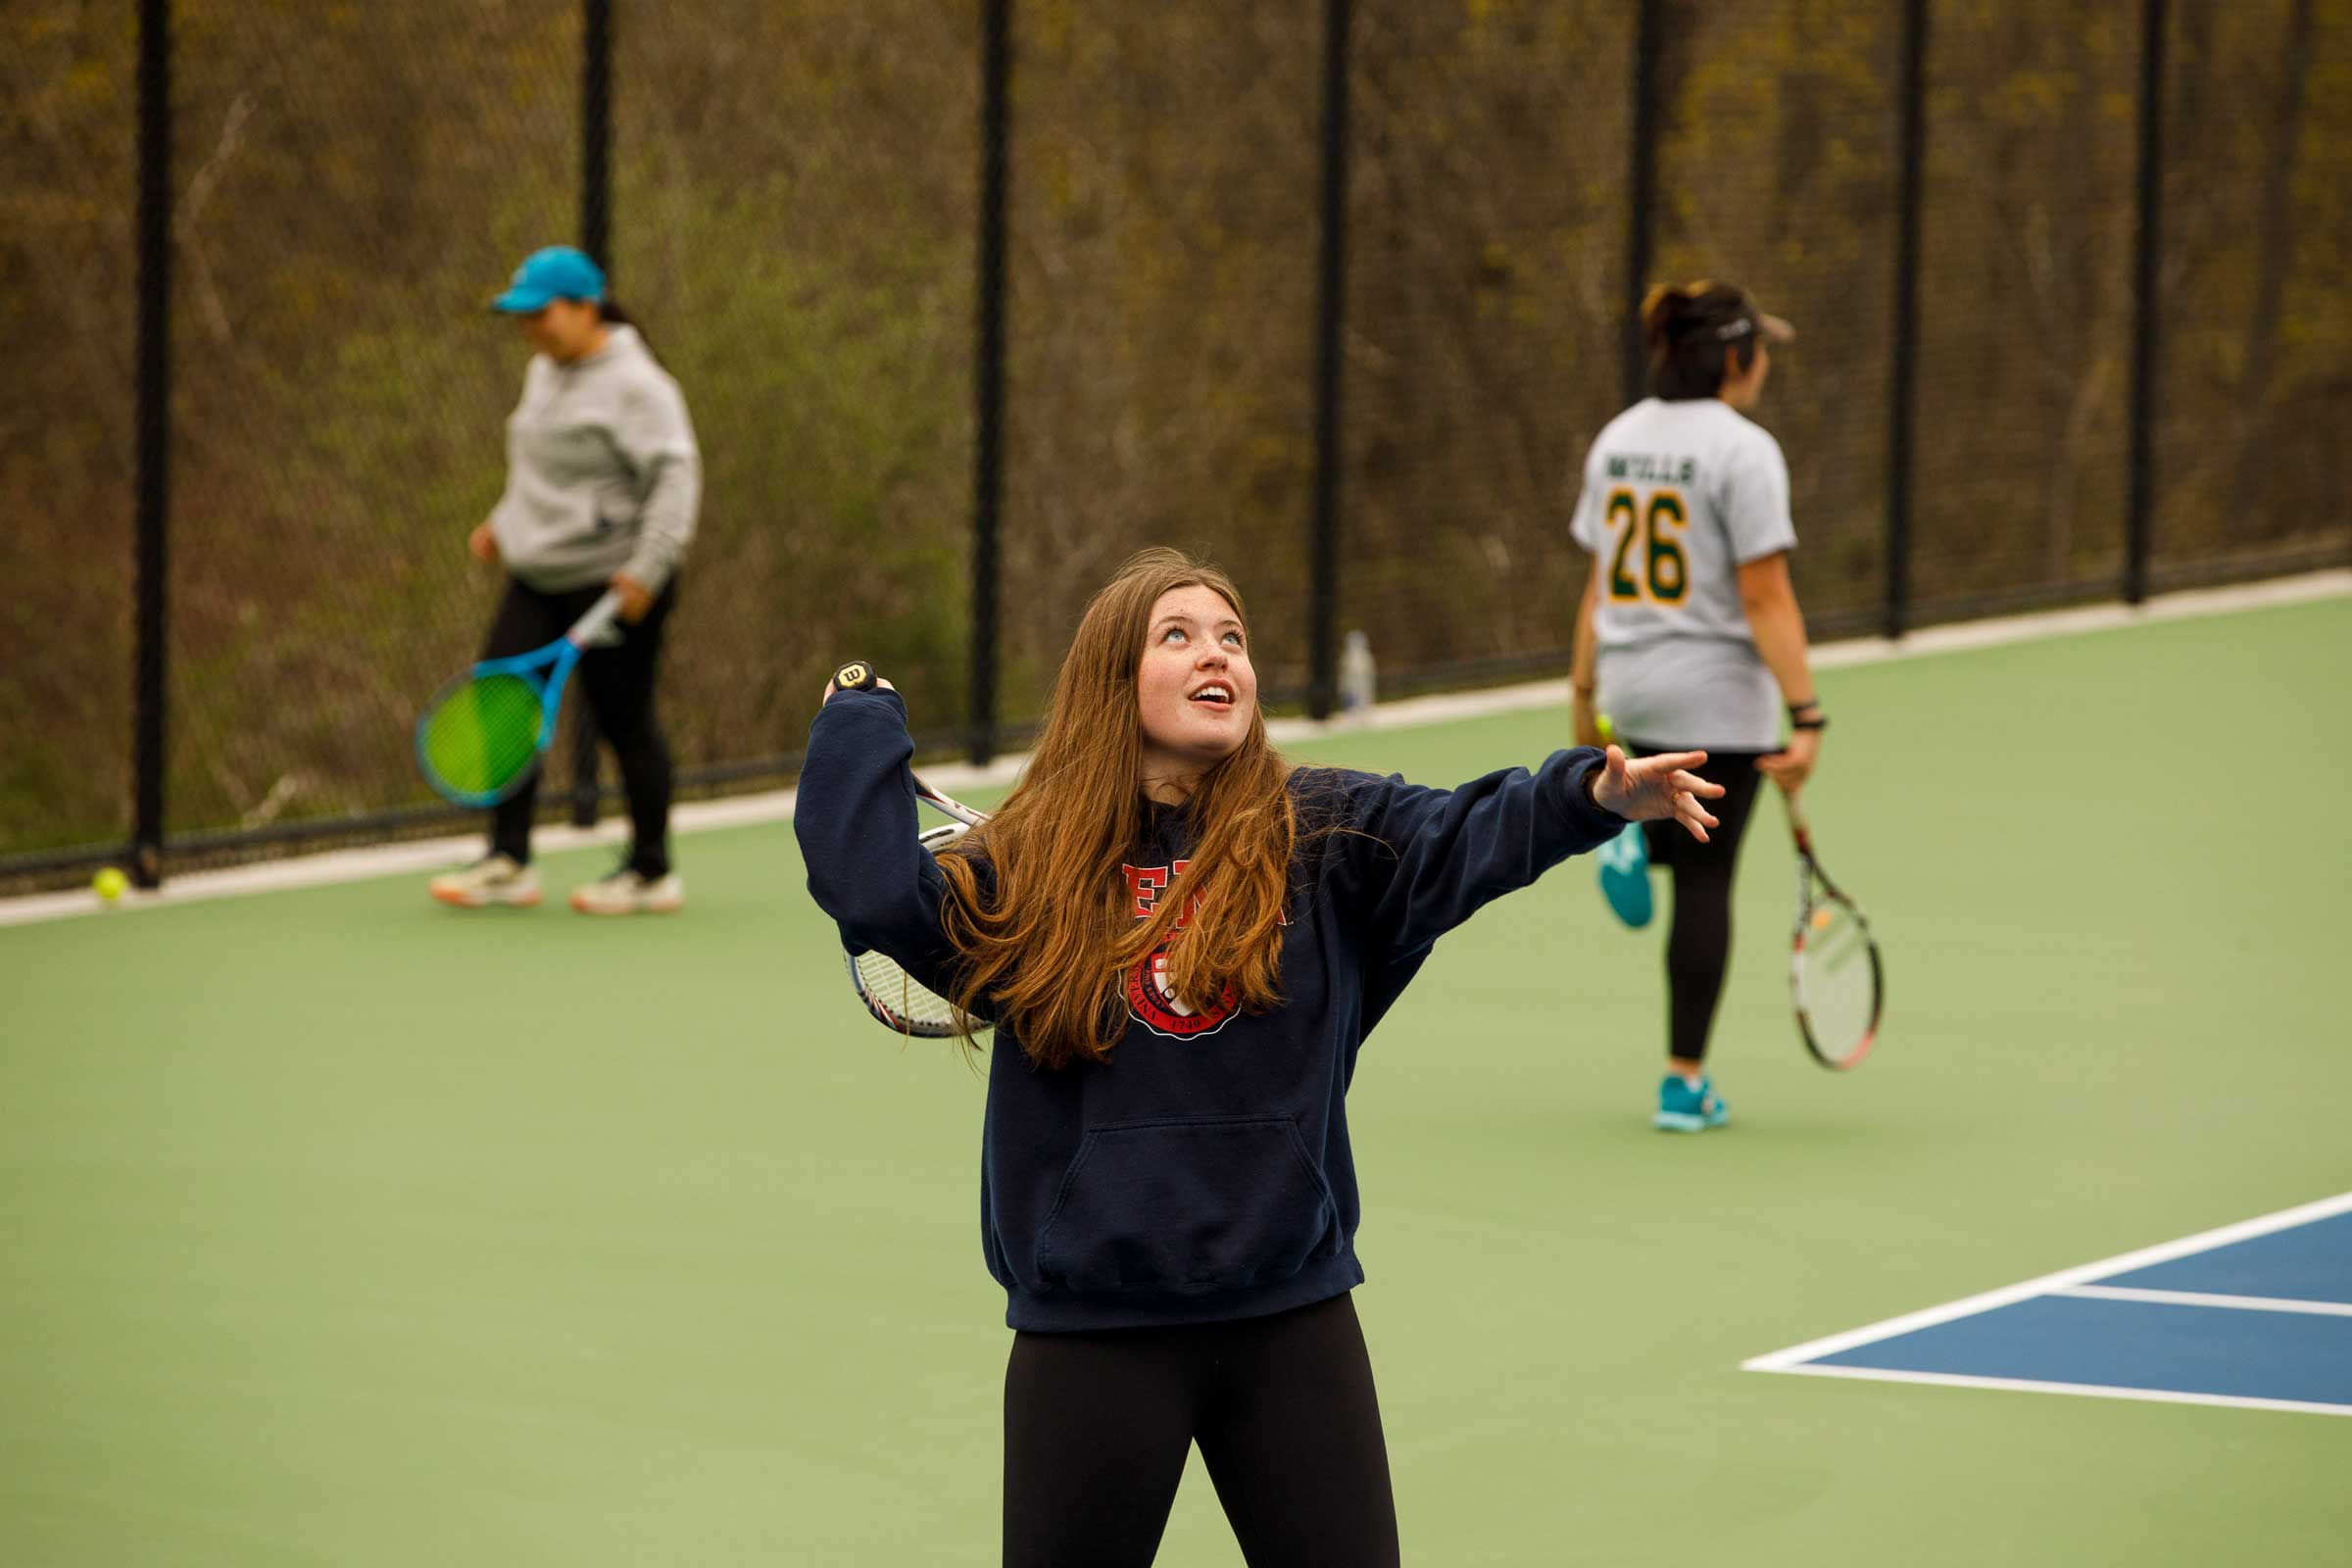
481	737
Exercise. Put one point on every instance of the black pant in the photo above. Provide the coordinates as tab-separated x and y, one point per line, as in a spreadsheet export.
1097	1427
619	685
1698	948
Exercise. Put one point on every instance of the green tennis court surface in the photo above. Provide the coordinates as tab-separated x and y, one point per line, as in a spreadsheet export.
339	1228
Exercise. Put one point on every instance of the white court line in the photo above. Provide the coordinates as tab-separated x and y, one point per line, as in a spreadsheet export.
1789	1360
437	855
2098	1390
1963	637
775	805
2191	605
2242	1304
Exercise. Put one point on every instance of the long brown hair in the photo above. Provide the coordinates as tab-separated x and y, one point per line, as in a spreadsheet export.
1046	947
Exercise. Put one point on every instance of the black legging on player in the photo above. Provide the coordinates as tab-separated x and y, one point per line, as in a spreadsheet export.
1097	1427
617	683
1698	949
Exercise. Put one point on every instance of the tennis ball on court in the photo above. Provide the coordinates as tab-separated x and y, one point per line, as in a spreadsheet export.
108	883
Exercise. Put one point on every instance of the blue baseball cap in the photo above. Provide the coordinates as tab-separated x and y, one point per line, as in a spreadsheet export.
558	272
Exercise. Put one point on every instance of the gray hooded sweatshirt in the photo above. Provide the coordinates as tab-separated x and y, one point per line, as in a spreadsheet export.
603	474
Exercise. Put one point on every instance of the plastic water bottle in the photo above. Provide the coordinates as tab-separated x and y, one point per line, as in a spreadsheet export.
1358	680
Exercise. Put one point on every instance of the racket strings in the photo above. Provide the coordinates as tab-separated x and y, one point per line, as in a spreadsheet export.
1839	943
1837	979
482	735
898	999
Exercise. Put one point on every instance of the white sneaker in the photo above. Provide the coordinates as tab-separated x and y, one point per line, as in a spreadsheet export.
624	892
492	879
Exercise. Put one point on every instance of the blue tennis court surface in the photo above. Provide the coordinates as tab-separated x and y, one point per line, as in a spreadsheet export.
2256	1314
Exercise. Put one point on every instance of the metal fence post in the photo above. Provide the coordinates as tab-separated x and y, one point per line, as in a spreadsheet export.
2139	519
1642	194
988	370
596	131
1323	590
150	682
1905	377
596	238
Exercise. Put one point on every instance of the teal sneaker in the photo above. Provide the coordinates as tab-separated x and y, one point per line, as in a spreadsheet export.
1625	875
1685	1109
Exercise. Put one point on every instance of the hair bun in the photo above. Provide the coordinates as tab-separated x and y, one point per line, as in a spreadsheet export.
1657	310
1666	310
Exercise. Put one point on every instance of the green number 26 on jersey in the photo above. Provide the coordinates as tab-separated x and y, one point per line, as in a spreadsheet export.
1648	565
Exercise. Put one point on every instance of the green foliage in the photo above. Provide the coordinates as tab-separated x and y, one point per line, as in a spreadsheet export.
794	223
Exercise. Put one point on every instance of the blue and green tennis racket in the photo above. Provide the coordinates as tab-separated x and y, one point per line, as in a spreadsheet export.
483	733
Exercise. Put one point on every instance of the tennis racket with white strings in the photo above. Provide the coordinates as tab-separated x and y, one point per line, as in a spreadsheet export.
1834	976
896	1000
483	733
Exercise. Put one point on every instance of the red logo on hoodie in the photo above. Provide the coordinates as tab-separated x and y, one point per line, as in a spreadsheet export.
1150	997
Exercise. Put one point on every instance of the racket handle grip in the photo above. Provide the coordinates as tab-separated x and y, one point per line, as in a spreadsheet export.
599	621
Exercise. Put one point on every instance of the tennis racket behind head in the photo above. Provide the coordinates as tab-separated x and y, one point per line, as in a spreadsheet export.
895	999
1834	974
482	734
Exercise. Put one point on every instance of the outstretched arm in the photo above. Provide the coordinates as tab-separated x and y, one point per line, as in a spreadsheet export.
856	822
1416	862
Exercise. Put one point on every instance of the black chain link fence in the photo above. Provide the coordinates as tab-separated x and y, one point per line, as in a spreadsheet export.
795	214
2026	346
348	190
793	211
68	426
1778	168
2254	472
1160	312
1486	251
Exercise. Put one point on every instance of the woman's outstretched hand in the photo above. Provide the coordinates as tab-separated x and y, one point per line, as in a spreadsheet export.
1656	787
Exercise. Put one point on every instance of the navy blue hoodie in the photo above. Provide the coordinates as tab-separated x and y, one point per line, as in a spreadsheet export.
1203	1173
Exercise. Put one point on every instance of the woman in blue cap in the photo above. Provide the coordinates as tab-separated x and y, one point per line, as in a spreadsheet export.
602	480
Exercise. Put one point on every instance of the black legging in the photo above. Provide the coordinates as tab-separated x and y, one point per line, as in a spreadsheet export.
1698	949
1097	1427
619	685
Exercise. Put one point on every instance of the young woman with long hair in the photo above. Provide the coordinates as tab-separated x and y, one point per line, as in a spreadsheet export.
603	482
1690	636
1181	939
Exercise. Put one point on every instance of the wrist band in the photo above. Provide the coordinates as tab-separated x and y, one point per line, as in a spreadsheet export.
1817	721
1797	709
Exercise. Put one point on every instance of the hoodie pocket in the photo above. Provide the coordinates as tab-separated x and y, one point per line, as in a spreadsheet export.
1201	1204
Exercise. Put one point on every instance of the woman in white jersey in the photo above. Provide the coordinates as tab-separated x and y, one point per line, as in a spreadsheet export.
1689	636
